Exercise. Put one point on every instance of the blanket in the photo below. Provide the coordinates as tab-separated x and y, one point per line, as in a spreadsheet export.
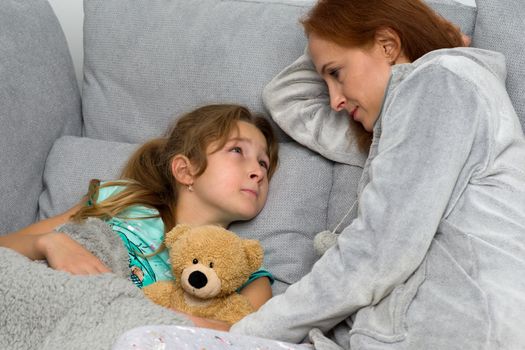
42	308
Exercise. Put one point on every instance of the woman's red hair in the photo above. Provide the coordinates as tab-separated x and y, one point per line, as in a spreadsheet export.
354	23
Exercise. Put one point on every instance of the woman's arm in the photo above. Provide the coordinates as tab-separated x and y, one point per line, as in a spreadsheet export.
39	241
298	101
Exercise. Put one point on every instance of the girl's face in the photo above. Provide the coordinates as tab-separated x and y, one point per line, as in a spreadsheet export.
234	185
356	78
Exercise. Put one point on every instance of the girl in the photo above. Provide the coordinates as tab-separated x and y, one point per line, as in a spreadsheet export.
212	168
435	257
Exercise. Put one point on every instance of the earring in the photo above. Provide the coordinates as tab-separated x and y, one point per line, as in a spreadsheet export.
190	188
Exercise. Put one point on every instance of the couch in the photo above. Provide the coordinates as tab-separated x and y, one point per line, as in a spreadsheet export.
147	61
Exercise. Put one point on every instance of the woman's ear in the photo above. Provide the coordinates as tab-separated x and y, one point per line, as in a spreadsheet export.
390	44
182	170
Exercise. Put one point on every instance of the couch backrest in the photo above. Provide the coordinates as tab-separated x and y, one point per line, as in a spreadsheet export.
167	57
500	26
39	101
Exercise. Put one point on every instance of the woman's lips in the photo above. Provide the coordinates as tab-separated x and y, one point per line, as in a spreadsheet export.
353	112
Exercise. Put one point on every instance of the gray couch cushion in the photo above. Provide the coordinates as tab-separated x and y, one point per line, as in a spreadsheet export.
297	204
40	101
342	196
500	26
166	57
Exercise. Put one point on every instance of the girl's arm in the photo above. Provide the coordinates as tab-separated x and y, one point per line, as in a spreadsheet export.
258	292
27	241
38	241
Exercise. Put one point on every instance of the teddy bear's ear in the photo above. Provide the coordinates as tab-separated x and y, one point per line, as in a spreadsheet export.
254	253
175	233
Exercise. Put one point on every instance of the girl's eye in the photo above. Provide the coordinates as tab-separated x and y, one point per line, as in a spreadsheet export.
263	164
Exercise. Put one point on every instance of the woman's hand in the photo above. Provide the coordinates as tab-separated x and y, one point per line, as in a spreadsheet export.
65	254
466	39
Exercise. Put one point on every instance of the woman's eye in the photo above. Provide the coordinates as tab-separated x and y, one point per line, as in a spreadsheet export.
236	150
334	73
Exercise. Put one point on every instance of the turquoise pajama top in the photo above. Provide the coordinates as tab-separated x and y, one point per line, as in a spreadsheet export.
142	231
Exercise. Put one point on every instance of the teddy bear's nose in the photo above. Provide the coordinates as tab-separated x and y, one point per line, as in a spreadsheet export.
197	279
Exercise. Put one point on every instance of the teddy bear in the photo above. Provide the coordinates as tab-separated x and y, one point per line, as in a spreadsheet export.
209	264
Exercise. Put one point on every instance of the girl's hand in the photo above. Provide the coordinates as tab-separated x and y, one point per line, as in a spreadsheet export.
65	254
208	323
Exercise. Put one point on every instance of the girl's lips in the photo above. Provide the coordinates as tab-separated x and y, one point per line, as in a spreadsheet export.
252	192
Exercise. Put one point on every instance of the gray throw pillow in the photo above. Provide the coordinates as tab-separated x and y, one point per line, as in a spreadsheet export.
72	163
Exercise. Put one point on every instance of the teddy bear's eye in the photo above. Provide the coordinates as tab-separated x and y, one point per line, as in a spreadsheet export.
211	265
195	261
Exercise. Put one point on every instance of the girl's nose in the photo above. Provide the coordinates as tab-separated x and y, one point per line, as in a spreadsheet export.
257	173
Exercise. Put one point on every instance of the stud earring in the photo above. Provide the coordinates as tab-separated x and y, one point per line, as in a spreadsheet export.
190	188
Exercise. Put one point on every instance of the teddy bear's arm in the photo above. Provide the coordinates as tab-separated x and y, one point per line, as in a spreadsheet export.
160	292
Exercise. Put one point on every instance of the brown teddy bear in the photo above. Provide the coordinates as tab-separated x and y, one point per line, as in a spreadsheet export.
209	264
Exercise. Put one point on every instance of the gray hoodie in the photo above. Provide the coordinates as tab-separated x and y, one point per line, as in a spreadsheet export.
436	256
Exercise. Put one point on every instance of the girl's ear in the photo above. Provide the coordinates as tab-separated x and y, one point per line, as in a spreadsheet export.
182	170
390	44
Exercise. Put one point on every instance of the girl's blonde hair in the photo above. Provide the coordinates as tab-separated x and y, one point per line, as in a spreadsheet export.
147	176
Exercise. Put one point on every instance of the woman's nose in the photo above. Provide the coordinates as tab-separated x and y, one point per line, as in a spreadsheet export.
337	100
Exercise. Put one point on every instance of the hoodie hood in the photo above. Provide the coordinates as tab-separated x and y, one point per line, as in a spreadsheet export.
492	61
458	59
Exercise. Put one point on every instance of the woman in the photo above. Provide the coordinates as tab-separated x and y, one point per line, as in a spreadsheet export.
436	256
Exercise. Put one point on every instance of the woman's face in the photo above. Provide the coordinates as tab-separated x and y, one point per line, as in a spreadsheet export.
356	77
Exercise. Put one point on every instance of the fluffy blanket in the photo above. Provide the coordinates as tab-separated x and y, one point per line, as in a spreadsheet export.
41	308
